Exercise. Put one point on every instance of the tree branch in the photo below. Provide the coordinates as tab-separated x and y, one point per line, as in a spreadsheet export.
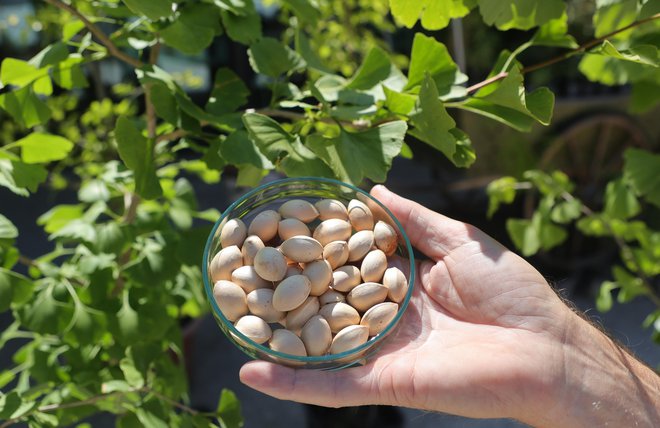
580	49
100	35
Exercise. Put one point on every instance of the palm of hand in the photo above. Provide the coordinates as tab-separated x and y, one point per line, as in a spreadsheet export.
477	318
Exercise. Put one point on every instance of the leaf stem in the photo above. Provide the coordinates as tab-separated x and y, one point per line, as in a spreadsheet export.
566	55
100	35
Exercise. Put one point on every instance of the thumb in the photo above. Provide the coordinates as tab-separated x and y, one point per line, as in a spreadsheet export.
348	387
433	234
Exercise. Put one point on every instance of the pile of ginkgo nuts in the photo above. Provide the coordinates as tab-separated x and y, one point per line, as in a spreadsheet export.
319	270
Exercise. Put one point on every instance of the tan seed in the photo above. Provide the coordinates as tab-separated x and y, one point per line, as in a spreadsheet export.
224	263
287	342
231	299
349	338
248	279
360	215
233	233
297	318
290	227
386	238
332	230
302	249
379	316
254	328
331	208
270	264
345	278
366	295
264	225
336	253
331	296
319	273
360	244
291	293
260	303
396	283
373	266
316	335
251	246
300	209
339	315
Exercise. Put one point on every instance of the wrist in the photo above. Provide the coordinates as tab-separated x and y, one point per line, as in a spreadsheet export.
602	383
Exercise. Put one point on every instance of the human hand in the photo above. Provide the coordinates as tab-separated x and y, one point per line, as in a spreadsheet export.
484	335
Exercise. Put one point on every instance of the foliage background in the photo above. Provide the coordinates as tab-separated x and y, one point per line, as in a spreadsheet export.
300	87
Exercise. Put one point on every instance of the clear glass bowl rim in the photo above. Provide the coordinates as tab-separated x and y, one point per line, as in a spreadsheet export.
313	359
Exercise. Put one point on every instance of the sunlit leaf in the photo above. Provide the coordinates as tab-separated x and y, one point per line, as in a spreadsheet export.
137	153
352	156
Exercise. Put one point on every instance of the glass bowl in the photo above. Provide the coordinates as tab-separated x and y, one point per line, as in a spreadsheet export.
312	189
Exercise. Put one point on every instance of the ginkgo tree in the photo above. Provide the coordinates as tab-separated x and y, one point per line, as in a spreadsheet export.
99	313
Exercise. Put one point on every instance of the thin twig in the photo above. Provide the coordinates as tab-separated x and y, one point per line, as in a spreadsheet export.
100	35
564	56
172	401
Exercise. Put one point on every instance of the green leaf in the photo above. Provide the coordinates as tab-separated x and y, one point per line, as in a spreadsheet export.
44	314
93	191
131	373
59	216
164	102
126	324
554	33
305	50
13	406
283	149
604	300
520	14
243	25
620	201
228	94
640	54
306	10
374	69
352	156
6	291
152	9
398	102
71	28
270	57
7	375
68	73
510	93
434	14
39	147
566	211
136	152
430	57
194	28
20	73
613	15
77	230
25	107
238	149
464	156
530	236
150	419
20	177
645	95
229	409
432	121
640	170
7	228
502	190
18	288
